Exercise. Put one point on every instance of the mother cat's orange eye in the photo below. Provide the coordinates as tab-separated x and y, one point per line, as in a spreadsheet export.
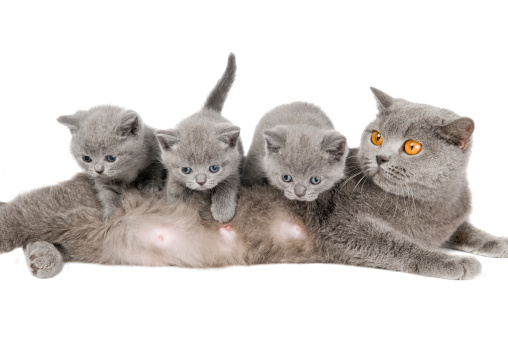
412	147
376	138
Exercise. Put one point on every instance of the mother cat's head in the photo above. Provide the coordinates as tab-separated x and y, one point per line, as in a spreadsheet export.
415	148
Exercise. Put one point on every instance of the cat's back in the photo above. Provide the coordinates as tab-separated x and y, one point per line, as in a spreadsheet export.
203	117
296	113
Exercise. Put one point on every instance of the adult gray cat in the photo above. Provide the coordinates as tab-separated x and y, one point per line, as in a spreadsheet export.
114	147
364	225
204	153
296	149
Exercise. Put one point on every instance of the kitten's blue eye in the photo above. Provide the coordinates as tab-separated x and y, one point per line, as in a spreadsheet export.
214	168
287	178
87	159
186	170
110	158
315	180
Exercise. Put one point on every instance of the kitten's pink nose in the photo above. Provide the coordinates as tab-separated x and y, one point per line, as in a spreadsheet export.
300	190
99	168
201	179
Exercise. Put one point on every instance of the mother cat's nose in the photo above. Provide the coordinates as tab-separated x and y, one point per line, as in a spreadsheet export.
382	159
201	178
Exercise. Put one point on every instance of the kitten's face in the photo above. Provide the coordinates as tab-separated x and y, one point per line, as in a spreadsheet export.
413	148
202	156
107	142
303	162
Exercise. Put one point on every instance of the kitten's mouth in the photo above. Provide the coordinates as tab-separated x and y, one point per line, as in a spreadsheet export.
302	198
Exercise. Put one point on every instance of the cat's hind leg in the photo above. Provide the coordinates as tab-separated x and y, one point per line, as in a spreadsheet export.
43	259
470	239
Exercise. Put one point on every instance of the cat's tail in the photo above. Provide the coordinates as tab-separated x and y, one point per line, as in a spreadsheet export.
216	98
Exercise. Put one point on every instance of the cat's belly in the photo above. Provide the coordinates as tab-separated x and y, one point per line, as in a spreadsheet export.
165	241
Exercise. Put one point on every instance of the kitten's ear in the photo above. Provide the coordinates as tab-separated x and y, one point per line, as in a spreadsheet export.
335	144
70	121
275	139
457	132
167	139
129	124
384	101
230	136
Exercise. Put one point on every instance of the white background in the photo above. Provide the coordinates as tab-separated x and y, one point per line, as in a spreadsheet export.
161	59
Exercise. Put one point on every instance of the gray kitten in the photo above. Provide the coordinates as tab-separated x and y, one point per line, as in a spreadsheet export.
296	149
204	153
114	147
357	222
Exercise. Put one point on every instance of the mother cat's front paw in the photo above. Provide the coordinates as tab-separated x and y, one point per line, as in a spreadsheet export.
496	247
43	259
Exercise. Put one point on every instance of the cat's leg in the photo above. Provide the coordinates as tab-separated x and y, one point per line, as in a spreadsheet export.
153	178
43	259
110	199
470	239
371	243
224	200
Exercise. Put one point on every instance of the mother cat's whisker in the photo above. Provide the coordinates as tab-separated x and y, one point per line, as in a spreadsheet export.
359	181
349	179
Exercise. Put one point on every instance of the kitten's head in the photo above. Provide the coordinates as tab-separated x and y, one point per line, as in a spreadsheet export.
414	148
201	155
107	141
304	161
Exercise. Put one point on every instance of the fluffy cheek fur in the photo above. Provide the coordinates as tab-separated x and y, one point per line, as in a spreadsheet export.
329	173
428	169
129	155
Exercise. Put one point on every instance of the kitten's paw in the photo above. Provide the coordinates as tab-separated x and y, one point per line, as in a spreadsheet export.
43	259
223	214
150	186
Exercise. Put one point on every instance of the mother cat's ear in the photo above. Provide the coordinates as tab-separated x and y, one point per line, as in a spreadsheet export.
457	132
129	124
167	139
70	121
384	101
335	144
275	139
229	135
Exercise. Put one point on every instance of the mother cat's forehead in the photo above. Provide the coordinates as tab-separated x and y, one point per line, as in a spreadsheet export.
403	116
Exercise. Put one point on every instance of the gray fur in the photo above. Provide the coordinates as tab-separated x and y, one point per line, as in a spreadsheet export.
296	140
363	221
108	130
67	216
201	141
43	258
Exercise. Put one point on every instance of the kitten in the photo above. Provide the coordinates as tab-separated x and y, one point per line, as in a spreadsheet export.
204	153
348	224
115	148
296	149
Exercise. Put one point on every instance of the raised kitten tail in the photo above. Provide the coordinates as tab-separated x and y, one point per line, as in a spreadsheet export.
216	98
